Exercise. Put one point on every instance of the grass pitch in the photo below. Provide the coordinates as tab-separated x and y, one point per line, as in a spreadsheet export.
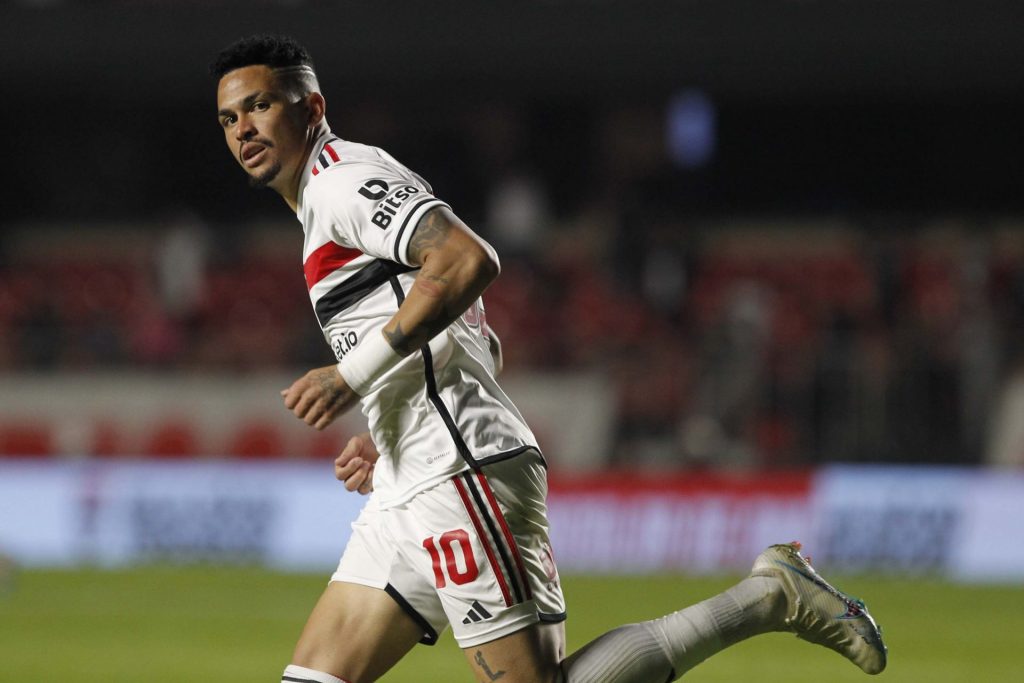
183	625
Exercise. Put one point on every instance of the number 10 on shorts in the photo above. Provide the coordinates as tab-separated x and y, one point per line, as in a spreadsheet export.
453	544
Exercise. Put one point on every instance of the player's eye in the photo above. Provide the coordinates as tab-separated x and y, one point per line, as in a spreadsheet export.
227	121
261	106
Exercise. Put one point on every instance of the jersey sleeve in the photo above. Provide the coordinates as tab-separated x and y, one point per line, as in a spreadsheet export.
373	208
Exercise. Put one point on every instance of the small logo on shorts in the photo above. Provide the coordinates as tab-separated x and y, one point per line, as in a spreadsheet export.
476	613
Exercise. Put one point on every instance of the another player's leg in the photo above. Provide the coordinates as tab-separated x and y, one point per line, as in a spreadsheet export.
354	634
664	649
782	593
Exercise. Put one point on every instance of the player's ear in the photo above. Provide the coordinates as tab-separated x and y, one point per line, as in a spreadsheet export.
317	108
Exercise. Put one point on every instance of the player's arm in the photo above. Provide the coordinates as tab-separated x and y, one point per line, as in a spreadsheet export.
456	266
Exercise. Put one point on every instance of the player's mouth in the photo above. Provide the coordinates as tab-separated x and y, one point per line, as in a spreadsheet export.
252	154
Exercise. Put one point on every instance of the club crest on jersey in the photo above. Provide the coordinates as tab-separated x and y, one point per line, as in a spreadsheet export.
387	209
547	560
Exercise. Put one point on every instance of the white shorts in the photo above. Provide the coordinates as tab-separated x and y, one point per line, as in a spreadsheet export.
472	552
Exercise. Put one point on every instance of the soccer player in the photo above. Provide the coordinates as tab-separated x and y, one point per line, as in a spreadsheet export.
455	530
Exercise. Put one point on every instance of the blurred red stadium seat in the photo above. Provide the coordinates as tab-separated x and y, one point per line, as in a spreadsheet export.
26	439
107	439
256	440
172	438
325	445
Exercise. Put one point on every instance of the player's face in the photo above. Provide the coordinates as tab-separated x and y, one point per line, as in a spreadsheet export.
265	131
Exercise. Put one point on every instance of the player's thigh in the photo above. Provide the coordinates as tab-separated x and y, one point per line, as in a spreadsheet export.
530	655
356	633
482	540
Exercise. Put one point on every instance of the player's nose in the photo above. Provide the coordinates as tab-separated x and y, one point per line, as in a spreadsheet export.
245	129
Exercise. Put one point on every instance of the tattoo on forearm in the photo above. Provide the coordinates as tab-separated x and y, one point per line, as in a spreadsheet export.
406	342
399	340
430	284
482	663
431	232
439	279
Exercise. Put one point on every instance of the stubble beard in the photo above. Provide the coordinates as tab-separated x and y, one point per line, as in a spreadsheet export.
263	179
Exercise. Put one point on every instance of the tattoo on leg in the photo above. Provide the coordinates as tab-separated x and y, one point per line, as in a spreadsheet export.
482	663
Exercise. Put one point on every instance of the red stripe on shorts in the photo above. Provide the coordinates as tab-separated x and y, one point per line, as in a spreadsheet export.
483	539
508	534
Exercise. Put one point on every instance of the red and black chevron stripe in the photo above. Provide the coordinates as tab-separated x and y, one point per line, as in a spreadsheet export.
327	156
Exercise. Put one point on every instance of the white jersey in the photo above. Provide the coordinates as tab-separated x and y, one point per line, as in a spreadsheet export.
439	411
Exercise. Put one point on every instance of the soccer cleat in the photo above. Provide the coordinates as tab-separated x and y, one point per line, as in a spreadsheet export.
821	614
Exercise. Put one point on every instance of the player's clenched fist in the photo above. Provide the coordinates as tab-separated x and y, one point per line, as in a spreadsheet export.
355	464
319	396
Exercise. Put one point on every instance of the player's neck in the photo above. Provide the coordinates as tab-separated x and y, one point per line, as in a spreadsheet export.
290	190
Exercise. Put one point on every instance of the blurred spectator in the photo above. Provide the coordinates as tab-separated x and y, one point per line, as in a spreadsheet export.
517	215
1006	448
181	255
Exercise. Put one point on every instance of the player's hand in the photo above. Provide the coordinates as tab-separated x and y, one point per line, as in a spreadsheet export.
319	396
355	464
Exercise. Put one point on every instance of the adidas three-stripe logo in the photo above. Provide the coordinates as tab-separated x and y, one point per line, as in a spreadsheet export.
476	613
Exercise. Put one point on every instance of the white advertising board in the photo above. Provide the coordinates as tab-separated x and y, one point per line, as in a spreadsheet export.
293	515
290	515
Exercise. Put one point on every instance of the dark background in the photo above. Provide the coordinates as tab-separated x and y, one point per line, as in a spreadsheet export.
841	104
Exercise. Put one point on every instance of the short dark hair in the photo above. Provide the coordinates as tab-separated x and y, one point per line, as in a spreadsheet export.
274	51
